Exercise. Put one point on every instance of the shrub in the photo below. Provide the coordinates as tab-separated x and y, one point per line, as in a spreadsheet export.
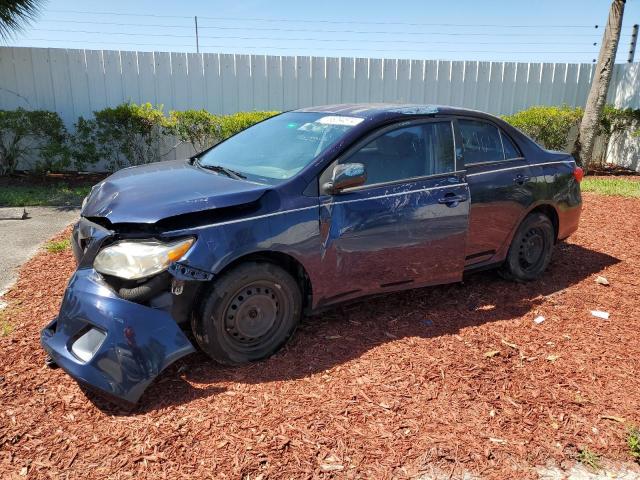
56	246
549	126
614	121
198	127
27	134
125	135
633	442
236	122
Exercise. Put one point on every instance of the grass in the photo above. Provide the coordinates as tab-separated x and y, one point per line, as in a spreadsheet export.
620	187
57	246
60	194
633	441
42	195
5	327
589	458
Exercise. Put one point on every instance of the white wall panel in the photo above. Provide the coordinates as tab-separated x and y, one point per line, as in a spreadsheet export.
77	82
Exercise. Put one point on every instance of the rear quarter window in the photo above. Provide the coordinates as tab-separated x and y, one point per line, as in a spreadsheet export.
510	150
484	142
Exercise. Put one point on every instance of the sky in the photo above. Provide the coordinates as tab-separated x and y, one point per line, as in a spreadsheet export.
515	30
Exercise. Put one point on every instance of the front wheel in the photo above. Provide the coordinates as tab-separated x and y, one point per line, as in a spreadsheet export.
250	312
530	250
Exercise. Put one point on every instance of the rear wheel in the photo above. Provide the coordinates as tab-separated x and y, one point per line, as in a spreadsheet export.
530	250
250	312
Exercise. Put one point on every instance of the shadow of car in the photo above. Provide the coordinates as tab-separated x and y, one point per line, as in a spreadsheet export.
345	333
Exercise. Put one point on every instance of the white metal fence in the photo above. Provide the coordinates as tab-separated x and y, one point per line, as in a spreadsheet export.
77	82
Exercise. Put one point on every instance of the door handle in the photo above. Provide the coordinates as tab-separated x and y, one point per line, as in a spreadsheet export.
451	199
521	179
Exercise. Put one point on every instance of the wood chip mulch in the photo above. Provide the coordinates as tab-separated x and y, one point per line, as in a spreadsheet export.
451	379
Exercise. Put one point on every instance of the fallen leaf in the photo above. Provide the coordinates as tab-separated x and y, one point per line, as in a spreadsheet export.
553	358
512	345
327	467
492	353
612	417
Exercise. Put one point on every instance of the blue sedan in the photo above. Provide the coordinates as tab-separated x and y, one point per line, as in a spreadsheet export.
299	212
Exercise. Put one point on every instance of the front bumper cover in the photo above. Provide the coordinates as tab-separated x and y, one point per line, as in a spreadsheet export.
110	344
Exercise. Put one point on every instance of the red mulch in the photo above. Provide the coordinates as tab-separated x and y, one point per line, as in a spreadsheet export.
385	388
608	169
72	179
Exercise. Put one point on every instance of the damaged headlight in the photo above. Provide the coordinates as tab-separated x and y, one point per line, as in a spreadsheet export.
133	260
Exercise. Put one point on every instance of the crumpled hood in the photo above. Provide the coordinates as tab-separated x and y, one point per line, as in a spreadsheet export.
149	193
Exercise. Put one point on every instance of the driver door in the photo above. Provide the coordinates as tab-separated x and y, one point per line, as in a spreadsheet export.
406	225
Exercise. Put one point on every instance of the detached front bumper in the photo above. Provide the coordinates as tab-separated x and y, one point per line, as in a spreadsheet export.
110	344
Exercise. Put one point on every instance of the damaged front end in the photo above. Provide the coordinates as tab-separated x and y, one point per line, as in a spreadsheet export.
114	334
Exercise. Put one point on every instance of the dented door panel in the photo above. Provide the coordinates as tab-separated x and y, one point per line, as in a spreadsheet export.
393	235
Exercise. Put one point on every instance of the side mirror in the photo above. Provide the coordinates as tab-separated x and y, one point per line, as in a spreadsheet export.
346	175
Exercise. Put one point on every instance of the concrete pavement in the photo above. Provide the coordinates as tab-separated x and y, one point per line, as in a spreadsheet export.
20	239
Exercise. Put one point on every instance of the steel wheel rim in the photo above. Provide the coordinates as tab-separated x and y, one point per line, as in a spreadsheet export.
254	315
532	248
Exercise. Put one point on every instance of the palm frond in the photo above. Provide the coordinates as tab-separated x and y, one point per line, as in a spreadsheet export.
15	15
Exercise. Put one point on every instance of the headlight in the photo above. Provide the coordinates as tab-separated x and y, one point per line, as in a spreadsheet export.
139	259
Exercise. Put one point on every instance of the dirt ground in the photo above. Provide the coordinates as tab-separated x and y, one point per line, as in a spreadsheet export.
454	379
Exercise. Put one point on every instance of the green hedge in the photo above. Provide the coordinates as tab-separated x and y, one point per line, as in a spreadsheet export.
117	137
125	135
550	126
27	135
203	129
131	134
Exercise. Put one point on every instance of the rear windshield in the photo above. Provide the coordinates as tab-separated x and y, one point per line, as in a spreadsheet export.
279	147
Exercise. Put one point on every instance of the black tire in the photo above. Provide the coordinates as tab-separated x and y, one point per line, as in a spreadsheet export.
248	314
530	251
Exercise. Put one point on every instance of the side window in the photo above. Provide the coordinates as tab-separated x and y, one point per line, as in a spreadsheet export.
440	157
414	151
510	150
481	141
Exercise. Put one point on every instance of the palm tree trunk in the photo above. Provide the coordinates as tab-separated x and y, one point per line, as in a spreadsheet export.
583	147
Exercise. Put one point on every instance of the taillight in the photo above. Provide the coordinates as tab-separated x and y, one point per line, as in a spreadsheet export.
578	174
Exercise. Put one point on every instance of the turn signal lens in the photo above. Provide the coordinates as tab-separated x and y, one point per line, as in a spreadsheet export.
578	174
178	252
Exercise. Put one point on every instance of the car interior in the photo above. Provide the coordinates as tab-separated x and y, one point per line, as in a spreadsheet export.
408	152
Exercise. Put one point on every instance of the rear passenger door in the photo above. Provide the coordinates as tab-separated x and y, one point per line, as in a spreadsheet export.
407	225
501	184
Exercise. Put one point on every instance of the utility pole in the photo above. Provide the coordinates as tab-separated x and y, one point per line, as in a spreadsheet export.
197	39
634	40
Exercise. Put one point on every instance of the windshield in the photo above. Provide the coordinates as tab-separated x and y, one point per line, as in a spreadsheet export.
279	147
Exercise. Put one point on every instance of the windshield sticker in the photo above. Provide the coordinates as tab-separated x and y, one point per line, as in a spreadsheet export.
340	120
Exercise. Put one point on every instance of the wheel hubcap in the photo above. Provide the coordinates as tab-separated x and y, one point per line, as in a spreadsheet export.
252	313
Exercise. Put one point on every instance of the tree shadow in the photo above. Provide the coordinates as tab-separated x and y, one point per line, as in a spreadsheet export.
348	331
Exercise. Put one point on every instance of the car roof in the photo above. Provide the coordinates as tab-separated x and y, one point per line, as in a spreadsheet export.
381	113
376	110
